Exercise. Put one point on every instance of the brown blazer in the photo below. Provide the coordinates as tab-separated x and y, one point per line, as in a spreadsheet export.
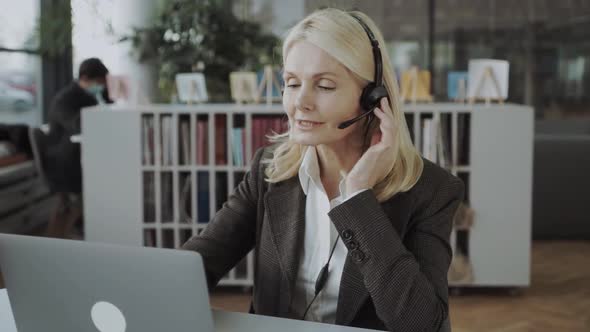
395	275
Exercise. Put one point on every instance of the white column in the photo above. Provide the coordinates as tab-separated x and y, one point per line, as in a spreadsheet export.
286	13
129	14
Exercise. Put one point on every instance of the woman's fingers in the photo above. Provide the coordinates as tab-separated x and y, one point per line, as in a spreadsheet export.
386	127
387	110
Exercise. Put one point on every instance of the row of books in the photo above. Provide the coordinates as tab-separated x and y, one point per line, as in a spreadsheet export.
165	140
436	140
167	237
185	212
262	127
149	197
147	140
436	135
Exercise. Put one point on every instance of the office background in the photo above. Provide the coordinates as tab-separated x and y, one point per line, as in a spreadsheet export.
42	42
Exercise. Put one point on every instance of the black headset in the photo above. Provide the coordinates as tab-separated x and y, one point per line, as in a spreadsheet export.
374	91
370	98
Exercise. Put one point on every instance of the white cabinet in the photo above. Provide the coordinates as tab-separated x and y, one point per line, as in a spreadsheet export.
146	174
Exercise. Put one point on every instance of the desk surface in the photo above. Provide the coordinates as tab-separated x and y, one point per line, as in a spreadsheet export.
6	318
223	321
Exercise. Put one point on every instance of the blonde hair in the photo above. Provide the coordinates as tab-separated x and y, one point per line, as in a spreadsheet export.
340	35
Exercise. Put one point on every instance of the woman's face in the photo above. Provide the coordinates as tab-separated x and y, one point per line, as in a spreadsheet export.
320	93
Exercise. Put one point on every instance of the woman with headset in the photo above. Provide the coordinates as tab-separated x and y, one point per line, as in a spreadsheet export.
349	224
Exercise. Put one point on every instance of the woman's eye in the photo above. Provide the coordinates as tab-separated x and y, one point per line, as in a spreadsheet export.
325	85
292	85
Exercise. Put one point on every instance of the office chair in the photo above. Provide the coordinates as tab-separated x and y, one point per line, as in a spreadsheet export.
36	137
65	215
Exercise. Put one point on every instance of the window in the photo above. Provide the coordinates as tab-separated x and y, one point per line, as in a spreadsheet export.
546	43
404	23
20	64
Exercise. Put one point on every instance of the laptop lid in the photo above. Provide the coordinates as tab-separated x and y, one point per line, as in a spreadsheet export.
66	285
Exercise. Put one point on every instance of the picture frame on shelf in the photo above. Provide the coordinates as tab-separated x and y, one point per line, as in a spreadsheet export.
121	89
457	83
243	86
488	80
191	87
415	85
269	85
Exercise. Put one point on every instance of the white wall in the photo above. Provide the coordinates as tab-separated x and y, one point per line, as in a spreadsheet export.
99	24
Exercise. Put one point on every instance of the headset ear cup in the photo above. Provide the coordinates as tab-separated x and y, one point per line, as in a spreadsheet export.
372	95
376	95
365	100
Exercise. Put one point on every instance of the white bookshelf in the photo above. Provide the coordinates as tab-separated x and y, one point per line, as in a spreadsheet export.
497	169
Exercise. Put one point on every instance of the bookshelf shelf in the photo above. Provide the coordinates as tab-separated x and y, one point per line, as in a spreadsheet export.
164	170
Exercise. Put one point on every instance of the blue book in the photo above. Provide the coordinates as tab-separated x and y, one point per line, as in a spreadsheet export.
237	146
453	79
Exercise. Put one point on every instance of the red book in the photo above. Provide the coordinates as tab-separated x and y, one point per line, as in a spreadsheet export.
202	137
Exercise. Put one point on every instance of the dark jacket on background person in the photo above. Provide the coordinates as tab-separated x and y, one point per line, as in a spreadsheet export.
61	157
395	274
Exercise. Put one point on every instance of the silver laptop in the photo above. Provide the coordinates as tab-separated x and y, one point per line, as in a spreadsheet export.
66	285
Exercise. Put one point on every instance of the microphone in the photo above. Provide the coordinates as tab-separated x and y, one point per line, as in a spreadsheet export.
348	123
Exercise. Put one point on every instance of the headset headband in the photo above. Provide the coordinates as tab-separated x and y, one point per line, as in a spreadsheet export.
376	51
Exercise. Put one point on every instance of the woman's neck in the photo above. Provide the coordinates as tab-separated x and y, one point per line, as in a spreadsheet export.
333	161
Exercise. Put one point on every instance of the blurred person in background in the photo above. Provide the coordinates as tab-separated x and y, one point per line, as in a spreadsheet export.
61	156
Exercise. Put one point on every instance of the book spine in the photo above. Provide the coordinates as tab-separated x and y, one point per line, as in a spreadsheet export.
220	140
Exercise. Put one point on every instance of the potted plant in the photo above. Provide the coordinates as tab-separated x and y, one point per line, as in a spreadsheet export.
190	36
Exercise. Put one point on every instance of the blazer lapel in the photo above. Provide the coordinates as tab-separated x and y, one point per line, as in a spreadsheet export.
285	205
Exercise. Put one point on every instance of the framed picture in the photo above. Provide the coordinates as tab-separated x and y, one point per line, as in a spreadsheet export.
457	82
488	79
244	87
191	87
269	83
415	85
119	87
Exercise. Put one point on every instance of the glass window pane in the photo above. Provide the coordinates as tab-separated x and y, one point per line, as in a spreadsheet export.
546	43
20	88
404	23
19	20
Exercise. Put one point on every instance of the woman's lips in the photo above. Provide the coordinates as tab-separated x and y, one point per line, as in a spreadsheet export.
306	124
